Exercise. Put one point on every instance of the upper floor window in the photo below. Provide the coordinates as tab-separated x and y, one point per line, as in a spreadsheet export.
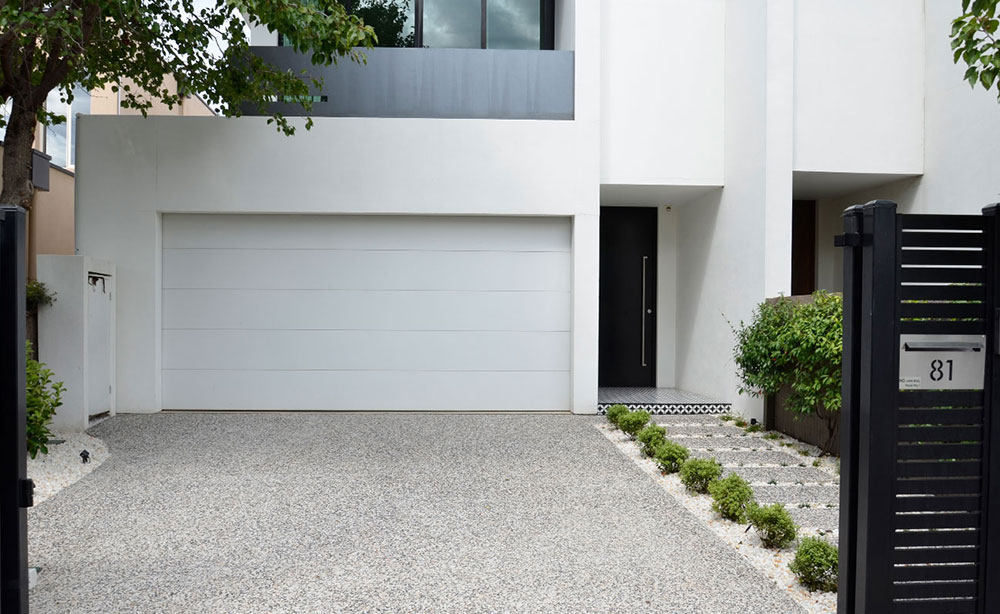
60	139
467	24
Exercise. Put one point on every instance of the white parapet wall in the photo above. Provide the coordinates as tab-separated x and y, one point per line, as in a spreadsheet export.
76	336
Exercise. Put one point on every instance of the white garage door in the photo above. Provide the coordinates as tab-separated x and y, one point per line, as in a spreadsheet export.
365	312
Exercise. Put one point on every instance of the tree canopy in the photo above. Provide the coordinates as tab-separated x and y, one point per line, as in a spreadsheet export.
48	45
974	41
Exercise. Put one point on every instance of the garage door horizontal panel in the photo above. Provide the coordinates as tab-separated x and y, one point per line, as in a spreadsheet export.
365	390
365	310
366	350
365	270
367	232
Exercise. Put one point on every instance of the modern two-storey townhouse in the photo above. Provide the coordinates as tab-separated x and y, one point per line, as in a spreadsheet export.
540	199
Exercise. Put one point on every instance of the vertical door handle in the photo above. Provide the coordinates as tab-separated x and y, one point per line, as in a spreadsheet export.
643	342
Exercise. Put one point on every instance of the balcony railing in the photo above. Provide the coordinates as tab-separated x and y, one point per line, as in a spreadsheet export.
437	83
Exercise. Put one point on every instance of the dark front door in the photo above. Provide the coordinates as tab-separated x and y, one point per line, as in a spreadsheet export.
627	335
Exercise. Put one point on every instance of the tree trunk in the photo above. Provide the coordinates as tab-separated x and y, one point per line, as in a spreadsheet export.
17	145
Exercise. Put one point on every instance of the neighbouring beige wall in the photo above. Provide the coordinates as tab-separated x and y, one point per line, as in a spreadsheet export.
105	102
51	222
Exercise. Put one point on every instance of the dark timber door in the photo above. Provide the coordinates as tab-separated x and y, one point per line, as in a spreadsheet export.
627	335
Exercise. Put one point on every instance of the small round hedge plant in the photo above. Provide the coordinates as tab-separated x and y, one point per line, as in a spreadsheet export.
650	437
615	412
670	456
42	397
816	564
633	421
731	497
698	473
773	524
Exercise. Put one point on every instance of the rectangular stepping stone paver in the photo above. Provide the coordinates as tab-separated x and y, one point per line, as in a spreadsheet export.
747	457
783	474
794	494
721	443
816	517
710	430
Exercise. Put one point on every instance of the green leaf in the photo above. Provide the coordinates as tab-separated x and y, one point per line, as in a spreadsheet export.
971	75
987	77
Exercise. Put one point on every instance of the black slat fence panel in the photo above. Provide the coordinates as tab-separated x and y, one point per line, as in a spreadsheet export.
918	461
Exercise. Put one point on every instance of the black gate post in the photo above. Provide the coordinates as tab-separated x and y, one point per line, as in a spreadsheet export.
15	489
876	416
870	387
990	553
851	241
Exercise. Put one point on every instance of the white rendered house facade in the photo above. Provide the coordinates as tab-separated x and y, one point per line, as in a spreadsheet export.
486	229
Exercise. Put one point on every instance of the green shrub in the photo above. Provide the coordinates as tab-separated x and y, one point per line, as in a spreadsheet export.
615	412
43	397
37	294
651	436
752	428
633	421
731	497
670	456
773	524
815	564
797	344
698	473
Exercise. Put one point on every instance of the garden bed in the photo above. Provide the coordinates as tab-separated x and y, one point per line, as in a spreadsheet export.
778	475
63	466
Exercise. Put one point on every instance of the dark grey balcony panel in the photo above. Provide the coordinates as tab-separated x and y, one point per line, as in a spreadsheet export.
437	83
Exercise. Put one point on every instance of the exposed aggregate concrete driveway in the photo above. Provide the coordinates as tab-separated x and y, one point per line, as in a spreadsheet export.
248	513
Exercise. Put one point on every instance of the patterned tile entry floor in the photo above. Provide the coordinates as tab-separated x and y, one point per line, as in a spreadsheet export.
660	401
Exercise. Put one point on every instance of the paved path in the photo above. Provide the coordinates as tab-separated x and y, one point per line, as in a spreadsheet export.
775	468
377	513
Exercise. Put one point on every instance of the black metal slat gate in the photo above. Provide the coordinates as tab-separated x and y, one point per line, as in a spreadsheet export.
920	325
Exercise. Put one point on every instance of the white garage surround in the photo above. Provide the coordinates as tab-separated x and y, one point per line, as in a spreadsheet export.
339	312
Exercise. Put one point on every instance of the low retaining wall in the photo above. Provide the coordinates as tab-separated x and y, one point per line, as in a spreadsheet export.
804	427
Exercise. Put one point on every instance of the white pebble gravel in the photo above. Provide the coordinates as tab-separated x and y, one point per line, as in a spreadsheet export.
772	564
63	466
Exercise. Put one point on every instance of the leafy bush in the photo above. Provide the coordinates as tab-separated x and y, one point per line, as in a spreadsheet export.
797	344
815	565
731	497
37	294
43	397
670	456
615	412
633	421
650	437
698	473
773	524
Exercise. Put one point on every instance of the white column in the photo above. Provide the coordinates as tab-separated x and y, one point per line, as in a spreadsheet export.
666	297
779	147
586	283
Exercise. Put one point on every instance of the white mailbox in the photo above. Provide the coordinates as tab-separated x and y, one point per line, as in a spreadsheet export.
76	336
942	362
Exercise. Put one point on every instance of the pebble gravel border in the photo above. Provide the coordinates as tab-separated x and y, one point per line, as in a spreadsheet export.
772	564
62	466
